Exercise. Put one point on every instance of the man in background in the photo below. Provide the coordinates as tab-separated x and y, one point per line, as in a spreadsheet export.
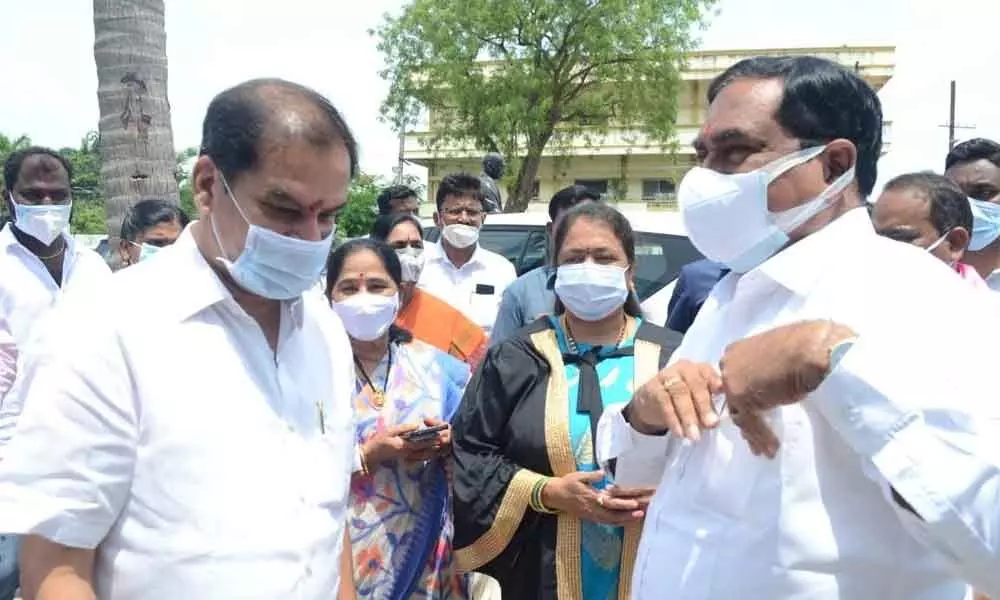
149	226
929	211
398	200
975	166
531	295
493	171
457	269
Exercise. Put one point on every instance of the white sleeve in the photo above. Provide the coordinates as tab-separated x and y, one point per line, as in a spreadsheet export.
925	419
67	471
640	459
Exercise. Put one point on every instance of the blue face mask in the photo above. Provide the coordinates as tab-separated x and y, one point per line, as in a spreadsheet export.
985	223
272	265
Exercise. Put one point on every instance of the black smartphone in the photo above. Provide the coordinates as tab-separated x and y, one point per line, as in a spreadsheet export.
427	433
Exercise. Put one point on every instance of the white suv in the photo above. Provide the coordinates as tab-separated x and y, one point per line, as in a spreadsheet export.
661	248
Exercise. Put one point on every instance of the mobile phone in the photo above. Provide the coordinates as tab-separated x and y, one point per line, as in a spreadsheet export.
427	433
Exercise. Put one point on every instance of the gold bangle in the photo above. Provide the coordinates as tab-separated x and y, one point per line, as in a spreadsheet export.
536	497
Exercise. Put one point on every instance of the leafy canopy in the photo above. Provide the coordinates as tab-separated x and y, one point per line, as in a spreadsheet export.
513	75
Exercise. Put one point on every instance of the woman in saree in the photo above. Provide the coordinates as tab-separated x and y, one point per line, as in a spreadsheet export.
429	318
531	507
399	517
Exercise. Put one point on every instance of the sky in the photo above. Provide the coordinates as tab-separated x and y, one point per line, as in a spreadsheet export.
49	80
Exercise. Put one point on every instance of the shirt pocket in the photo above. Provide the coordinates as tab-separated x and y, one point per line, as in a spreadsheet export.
728	479
330	460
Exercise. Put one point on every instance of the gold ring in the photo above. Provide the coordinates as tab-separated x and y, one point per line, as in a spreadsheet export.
671	381
600	501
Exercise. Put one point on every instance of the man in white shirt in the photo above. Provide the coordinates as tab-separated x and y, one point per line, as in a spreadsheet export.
975	166
197	440
820	446
458	270
38	258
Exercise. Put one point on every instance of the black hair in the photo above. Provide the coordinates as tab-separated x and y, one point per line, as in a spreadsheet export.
822	101
973	150
238	119
148	213
335	265
393	192
617	223
460	184
569	197
949	206
12	166
384	224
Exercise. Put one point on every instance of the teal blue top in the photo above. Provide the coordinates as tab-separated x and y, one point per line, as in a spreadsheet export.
601	550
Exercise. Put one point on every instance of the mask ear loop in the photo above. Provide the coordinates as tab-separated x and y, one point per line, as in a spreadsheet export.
779	166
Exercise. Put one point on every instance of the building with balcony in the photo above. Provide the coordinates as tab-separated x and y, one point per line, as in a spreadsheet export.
623	164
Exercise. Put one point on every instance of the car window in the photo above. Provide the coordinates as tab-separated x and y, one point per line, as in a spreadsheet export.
534	252
659	258
506	241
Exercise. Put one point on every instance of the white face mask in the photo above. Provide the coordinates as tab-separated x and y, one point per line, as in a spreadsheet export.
44	222
367	316
412	261
591	291
460	236
727	218
272	265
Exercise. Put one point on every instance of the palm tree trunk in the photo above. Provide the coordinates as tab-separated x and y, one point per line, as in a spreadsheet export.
136	142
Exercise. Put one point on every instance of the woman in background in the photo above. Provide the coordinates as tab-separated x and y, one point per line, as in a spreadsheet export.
427	317
400	515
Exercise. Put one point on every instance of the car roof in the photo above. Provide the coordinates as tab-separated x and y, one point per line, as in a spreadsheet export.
642	220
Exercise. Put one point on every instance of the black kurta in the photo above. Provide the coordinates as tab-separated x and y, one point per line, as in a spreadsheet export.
511	429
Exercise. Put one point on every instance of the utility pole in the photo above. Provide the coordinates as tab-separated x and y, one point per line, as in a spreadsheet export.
402	151
952	125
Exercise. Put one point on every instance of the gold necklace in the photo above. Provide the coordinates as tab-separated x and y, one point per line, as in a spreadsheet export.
571	341
61	250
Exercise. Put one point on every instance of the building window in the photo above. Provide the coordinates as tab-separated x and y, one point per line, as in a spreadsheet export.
597	186
657	189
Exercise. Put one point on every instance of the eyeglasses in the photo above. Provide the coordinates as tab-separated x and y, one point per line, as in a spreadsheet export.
457	212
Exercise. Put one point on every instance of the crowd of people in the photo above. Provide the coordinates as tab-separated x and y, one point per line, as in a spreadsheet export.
244	410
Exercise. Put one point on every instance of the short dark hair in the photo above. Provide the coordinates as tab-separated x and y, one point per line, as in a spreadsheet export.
12	166
384	224
393	192
148	213
619	225
460	184
335	265
822	101
949	206
973	150
568	197
238	119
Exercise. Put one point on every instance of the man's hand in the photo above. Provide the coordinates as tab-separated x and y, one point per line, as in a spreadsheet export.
621	498
678	399
778	367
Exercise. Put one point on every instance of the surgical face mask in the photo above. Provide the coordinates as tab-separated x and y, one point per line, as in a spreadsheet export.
146	251
460	236
367	316
727	218
591	291
272	265
44	222
985	223
412	260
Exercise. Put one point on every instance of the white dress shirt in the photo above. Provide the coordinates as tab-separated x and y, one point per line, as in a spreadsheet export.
8	358
910	405
161	428
27	290
458	286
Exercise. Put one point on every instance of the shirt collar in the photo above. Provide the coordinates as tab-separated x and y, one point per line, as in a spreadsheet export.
187	277
439	254
800	266
9	244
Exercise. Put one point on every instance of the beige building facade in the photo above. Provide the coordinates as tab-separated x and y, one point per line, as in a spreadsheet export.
623	164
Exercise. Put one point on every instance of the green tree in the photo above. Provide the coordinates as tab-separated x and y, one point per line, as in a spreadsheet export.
182	172
88	200
513	76
358	216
